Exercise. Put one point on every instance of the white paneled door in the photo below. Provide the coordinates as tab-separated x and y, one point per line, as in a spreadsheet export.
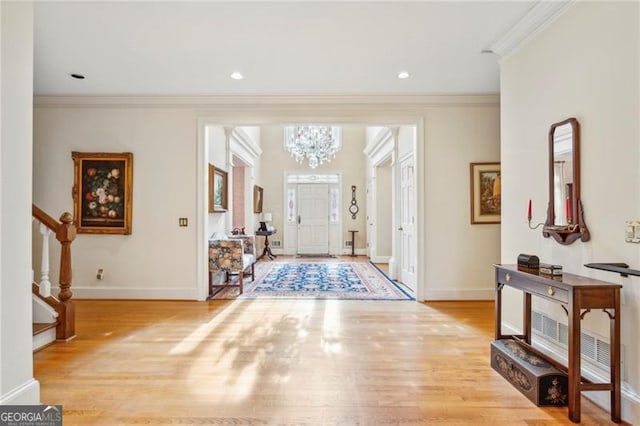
313	219
407	224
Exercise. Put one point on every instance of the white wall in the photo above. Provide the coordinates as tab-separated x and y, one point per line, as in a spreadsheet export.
384	201
350	162
159	258
381	151
459	255
406	140
584	65
216	141
17	385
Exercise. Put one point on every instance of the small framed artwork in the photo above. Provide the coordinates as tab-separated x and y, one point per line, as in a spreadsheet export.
485	193
217	190
102	192
257	199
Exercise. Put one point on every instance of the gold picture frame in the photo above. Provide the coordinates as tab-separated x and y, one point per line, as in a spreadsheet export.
102	192
486	207
257	199
217	190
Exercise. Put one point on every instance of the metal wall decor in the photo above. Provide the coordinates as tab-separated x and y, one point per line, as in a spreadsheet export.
353	208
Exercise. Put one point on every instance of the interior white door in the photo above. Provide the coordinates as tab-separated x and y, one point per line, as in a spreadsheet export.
313	219
407	223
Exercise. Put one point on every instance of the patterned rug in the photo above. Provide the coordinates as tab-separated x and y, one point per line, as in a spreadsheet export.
317	280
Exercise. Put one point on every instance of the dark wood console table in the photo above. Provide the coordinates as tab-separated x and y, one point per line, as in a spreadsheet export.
353	243
267	249
578	295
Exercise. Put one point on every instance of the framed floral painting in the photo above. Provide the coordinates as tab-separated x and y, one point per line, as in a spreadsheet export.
102	192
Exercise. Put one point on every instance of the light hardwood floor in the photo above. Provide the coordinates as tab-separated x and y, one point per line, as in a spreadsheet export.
301	362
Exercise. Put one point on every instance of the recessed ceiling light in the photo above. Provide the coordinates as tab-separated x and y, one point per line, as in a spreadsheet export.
236	75
402	75
78	76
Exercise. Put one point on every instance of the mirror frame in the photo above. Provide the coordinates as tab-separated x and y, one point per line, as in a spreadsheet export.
566	234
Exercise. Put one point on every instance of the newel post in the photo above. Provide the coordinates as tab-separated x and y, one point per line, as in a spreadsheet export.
65	233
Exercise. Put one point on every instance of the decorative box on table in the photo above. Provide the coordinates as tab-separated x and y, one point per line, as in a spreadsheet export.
538	380
550	269
529	261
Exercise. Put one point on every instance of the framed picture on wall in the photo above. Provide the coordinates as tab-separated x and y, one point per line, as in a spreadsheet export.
485	193
257	199
217	190
102	192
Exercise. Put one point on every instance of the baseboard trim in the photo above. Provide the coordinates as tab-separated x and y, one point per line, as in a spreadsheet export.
27	393
381	259
484	294
358	252
134	293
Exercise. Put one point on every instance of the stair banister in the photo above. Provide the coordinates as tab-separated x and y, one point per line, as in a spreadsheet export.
65	232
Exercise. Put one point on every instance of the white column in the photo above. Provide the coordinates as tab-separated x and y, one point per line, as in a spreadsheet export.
17	385
395	196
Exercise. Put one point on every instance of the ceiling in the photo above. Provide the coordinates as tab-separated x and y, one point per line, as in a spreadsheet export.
281	48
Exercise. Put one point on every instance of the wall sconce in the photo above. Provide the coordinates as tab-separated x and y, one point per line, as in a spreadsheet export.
568	228
529	213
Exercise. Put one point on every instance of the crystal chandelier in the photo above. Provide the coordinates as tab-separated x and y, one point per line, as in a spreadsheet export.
316	143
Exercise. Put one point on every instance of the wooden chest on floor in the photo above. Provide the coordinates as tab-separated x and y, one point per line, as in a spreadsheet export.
538	380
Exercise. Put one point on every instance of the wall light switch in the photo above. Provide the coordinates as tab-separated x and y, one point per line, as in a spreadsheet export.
632	231
183	221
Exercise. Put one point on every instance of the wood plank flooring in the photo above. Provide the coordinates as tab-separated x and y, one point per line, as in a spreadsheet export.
286	362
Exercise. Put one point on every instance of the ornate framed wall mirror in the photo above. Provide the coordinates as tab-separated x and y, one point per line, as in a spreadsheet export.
565	219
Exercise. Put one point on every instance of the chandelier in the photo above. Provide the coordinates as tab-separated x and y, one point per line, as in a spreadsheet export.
315	143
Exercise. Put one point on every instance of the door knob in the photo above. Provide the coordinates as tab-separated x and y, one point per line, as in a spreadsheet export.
400	229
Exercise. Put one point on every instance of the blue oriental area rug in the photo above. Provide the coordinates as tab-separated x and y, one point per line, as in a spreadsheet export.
318	280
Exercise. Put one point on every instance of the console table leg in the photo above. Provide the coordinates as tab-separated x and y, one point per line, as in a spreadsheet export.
575	378
498	310
526	320
614	361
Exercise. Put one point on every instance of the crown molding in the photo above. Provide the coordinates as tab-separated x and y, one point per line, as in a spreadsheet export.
244	142
379	142
536	20
260	102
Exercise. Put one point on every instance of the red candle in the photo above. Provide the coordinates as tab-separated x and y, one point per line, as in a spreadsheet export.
568	204
529	211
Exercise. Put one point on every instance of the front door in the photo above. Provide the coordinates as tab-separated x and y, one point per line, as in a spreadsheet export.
313	219
407	224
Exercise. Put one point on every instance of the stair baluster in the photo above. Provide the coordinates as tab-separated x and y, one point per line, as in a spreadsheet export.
45	284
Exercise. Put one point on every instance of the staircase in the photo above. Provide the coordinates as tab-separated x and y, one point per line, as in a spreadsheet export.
53	317
45	320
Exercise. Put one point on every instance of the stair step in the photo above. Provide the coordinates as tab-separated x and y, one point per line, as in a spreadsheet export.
40	327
